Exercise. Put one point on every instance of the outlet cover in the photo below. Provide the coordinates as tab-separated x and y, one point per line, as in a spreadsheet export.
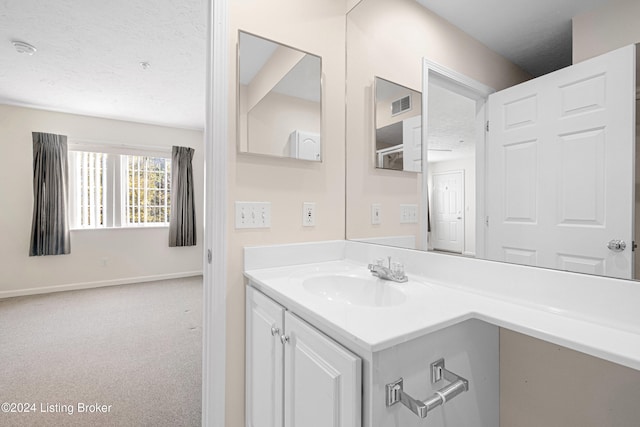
308	214
376	214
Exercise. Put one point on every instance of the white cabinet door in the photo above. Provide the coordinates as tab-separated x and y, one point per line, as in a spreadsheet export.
264	361
560	168
322	379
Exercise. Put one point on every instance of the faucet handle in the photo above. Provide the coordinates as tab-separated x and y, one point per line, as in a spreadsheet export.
397	269
380	262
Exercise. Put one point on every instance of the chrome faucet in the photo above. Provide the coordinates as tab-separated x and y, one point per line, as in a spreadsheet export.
394	271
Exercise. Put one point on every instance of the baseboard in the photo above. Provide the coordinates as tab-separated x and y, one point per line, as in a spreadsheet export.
96	284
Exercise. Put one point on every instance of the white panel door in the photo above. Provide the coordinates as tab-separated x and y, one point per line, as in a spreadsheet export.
412	144
322	380
560	168
447	226
264	361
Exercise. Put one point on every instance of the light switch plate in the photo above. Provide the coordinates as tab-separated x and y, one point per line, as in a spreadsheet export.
253	215
408	214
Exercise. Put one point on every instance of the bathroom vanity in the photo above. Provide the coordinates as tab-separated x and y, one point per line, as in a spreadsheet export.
334	335
320	328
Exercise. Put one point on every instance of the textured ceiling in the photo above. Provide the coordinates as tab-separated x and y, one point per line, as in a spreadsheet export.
452	125
89	53
534	34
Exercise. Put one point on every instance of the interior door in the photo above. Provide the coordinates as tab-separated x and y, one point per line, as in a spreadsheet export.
447	228
412	144
322	380
560	168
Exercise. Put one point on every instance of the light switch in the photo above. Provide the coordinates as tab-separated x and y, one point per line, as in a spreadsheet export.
253	214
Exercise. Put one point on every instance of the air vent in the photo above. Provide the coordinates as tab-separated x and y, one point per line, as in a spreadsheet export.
401	105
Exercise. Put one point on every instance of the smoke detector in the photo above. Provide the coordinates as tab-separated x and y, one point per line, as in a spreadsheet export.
22	47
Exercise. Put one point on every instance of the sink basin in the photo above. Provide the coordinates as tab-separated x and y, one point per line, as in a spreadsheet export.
368	292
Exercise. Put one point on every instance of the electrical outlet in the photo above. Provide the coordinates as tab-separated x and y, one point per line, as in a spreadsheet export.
253	214
408	214
376	214
308	214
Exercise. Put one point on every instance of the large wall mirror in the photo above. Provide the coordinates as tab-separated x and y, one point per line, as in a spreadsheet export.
279	108
398	120
462	193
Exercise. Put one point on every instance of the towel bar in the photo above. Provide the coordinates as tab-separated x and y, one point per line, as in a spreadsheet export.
421	408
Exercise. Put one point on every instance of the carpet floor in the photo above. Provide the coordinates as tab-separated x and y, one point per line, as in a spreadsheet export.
127	355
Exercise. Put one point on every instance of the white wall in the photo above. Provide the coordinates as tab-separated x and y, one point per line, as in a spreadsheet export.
543	384
132	254
605	28
316	27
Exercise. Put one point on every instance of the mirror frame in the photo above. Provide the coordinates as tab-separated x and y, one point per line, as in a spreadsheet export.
239	151
376	80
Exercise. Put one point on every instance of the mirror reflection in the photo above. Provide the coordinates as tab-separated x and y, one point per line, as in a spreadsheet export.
471	186
398	121
451	160
279	108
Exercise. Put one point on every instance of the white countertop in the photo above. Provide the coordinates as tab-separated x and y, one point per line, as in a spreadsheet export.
432	305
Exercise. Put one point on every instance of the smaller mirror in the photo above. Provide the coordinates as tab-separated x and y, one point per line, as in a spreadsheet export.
398	121
279	100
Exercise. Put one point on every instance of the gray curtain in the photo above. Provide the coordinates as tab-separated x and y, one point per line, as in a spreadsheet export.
50	222
182	225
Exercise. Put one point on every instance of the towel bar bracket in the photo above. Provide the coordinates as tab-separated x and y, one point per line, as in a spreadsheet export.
395	392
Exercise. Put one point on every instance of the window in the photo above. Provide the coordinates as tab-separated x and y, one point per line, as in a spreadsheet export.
90	179
118	190
148	189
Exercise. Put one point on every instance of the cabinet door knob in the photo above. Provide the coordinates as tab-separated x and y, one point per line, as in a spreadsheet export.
284	339
275	331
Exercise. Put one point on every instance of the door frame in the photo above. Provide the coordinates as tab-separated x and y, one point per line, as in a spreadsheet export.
432	72
214	266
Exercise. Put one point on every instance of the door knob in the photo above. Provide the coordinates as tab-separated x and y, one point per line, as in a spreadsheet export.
275	331
616	245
